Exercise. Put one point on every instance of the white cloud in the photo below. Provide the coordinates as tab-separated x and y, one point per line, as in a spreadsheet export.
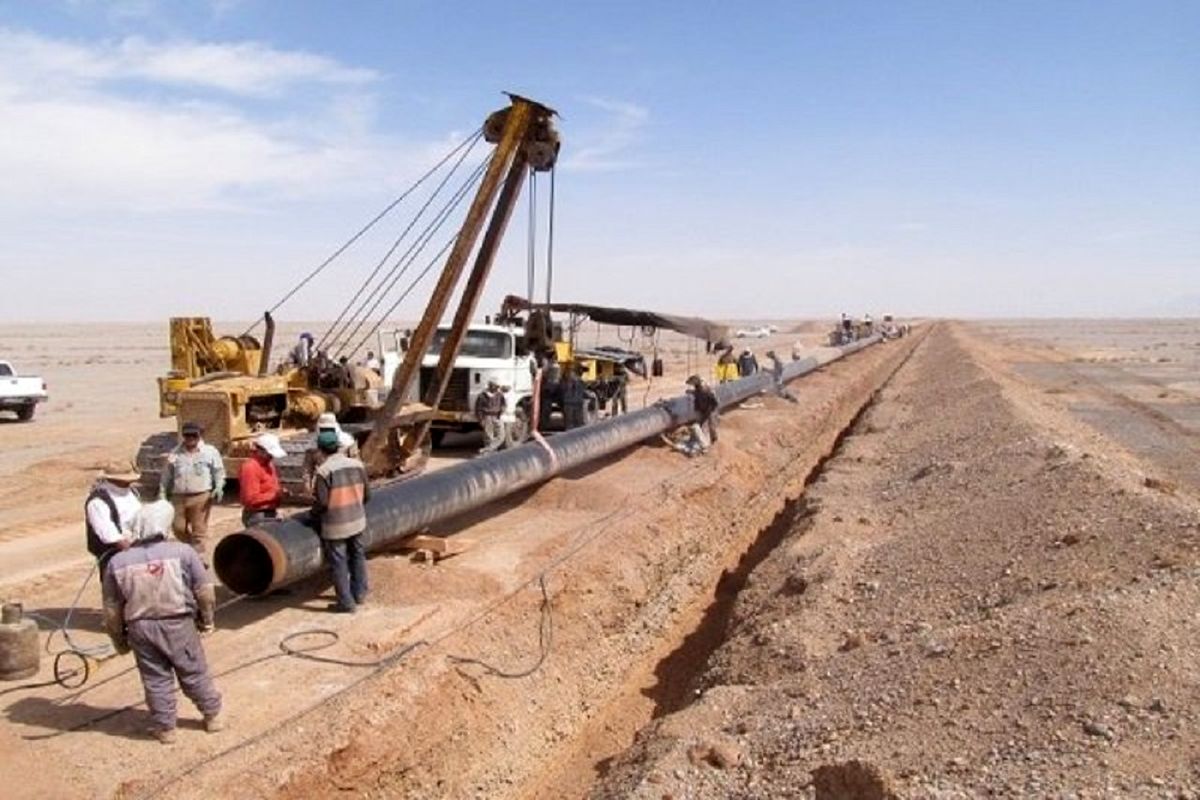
240	68
76	136
607	148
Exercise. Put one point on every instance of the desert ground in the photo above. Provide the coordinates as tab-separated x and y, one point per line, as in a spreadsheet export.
963	564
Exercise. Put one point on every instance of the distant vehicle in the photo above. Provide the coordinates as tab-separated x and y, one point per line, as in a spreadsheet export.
761	332
20	394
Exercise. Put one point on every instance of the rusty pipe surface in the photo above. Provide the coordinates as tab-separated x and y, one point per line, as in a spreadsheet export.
260	559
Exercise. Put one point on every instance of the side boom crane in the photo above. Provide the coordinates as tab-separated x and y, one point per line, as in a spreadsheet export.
525	139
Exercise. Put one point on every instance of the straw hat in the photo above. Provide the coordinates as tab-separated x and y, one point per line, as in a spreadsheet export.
123	471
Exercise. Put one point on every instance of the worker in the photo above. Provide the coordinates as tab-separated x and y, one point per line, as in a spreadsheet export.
340	495
193	479
777	378
371	362
489	410
847	329
156	593
747	364
727	369
620	400
704	429
574	396
110	509
303	351
258	481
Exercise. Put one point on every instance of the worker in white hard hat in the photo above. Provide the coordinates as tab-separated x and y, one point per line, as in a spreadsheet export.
258	481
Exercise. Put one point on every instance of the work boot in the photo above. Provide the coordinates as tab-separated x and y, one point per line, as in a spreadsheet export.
214	723
165	735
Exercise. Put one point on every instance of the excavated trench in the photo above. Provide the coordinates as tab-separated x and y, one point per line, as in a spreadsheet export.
678	674
688	661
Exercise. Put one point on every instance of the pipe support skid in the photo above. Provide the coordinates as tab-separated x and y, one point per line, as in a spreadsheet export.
258	560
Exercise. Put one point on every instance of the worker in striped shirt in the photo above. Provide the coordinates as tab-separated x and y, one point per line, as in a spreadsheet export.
340	493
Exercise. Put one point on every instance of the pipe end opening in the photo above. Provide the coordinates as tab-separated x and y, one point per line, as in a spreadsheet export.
244	564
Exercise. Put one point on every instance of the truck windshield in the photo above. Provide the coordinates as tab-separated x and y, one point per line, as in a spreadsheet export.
5	371
476	344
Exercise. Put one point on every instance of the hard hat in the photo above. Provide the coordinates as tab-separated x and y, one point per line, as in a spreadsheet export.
269	443
328	421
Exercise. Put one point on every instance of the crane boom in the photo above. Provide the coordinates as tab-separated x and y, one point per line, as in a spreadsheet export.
525	138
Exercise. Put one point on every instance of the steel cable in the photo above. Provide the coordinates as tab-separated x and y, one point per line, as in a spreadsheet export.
383	318
362	231
412	253
532	242
332	334
549	239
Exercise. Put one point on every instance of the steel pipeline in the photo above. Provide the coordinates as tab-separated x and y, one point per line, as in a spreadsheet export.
257	560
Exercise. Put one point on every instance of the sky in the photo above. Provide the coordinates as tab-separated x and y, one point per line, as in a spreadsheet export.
763	160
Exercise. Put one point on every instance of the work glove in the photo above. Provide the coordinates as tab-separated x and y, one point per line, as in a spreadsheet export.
120	644
217	494
205	628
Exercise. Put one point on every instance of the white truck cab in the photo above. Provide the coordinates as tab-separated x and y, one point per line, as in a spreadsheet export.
488	352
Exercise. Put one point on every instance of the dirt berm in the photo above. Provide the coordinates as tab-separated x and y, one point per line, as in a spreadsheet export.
970	602
624	588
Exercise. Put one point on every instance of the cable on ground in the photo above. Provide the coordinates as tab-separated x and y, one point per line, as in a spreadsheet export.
545	642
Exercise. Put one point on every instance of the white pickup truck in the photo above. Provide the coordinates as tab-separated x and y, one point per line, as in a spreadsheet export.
20	394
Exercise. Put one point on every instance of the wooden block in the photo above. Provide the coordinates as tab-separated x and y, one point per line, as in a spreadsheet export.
439	546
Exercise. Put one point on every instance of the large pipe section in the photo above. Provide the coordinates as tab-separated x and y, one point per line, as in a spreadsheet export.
257	560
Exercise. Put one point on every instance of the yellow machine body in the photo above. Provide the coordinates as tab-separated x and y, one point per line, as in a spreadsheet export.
197	353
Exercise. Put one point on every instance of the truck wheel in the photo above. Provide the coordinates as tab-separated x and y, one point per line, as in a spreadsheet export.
25	413
436	437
